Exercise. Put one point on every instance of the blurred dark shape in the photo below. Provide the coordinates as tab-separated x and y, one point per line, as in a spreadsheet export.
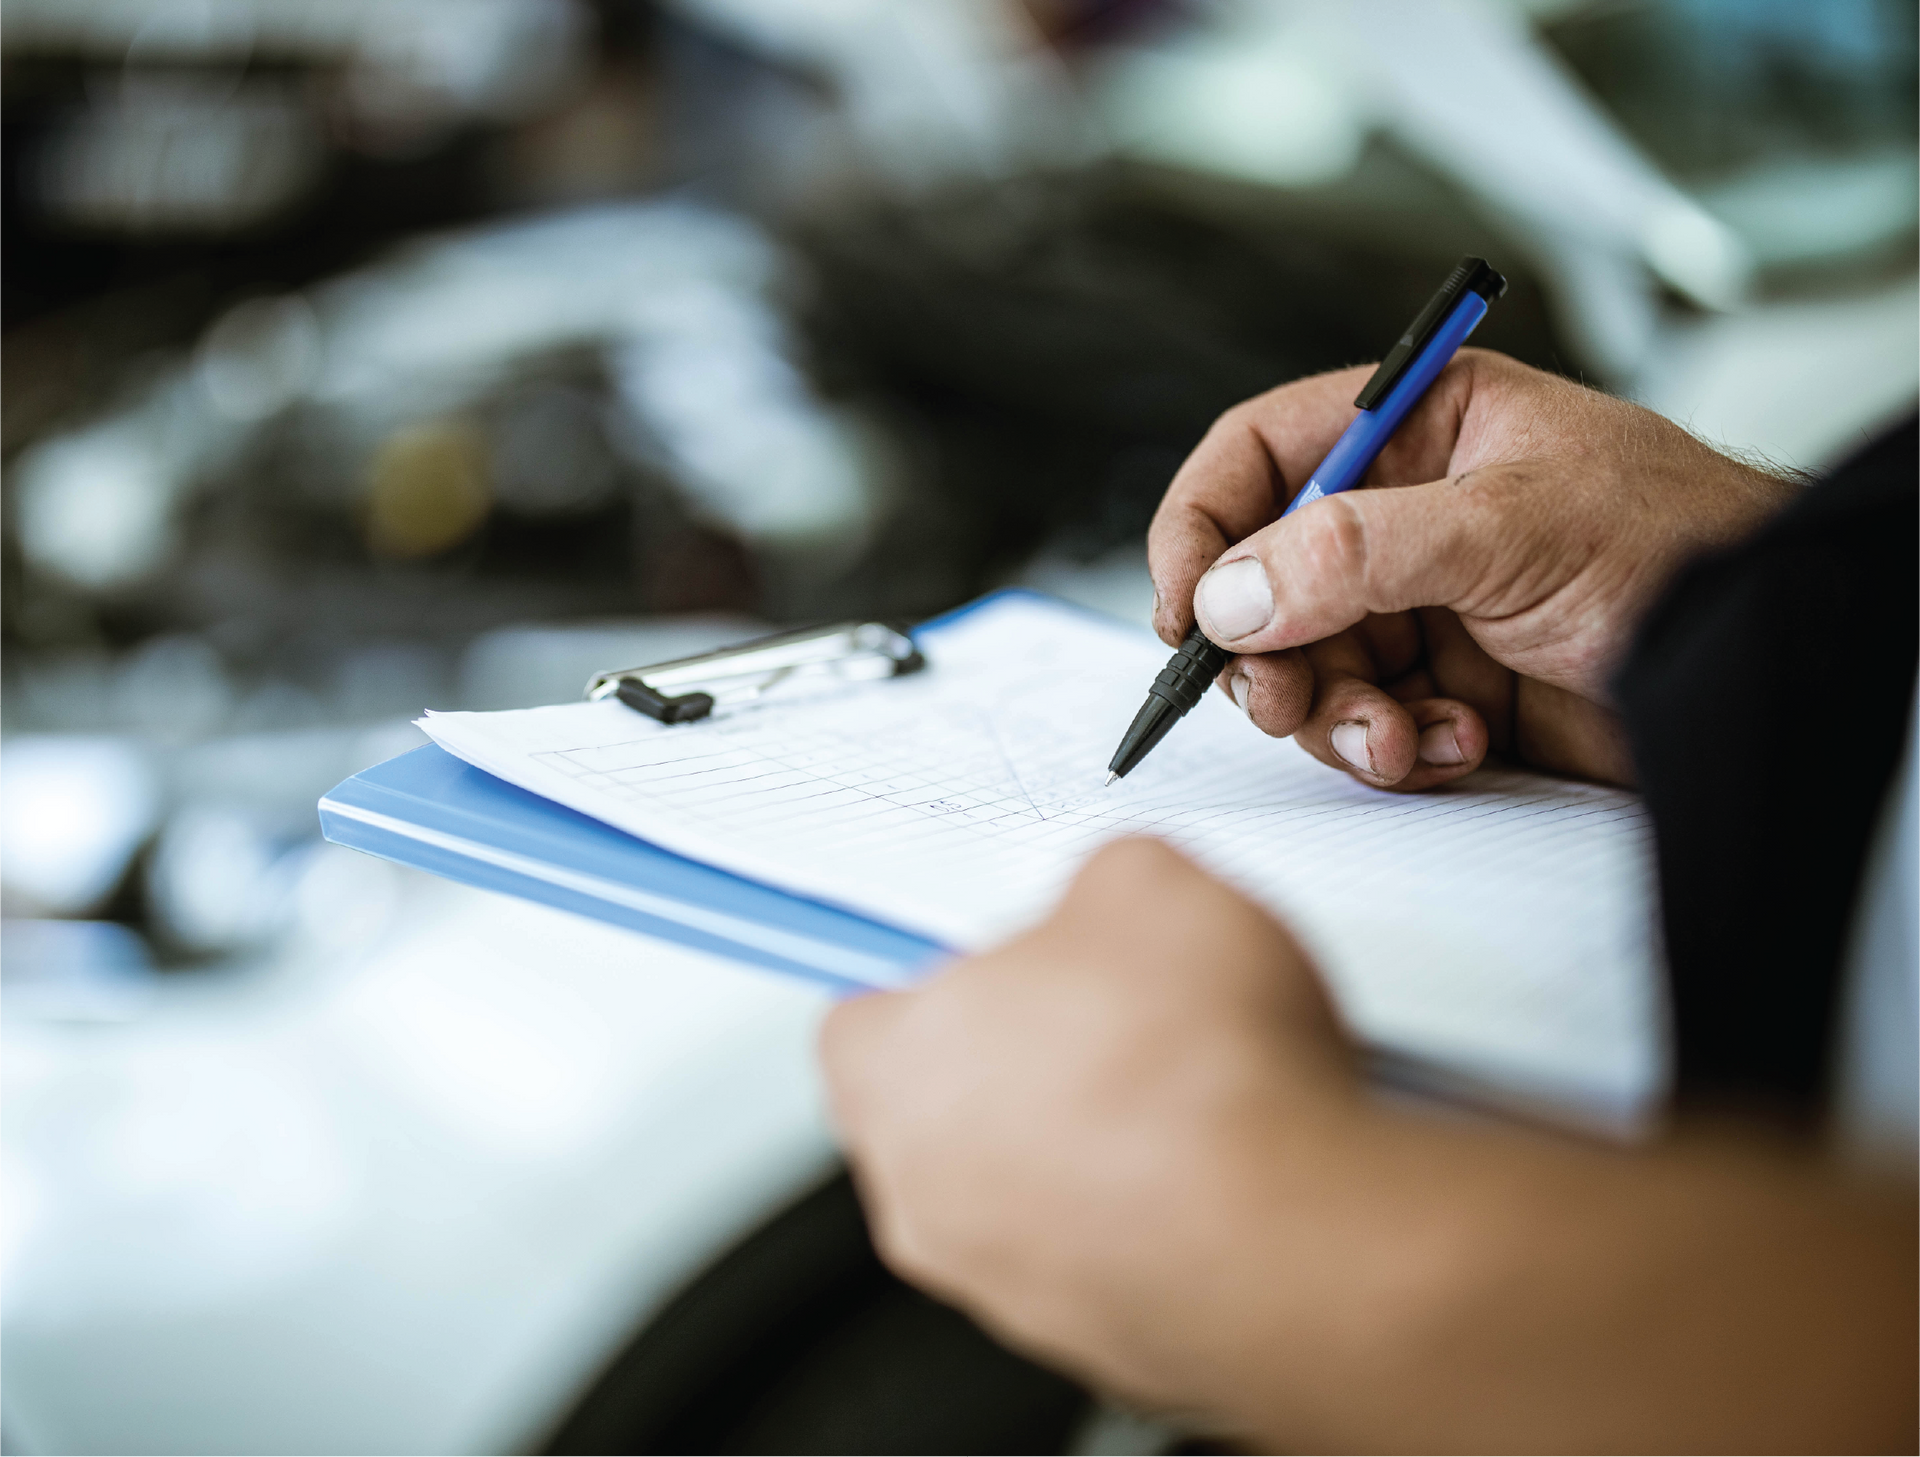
550	455
602	142
1070	24
1793	123
214	145
519	506
60	364
998	366
1707	86
1056	345
799	1340
481	430
610	428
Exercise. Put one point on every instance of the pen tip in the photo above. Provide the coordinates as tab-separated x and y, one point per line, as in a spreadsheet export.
1111	776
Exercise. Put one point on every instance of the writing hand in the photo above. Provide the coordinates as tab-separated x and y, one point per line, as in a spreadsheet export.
1476	595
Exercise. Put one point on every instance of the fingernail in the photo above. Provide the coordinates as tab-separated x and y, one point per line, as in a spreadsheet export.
1438	745
1350	743
1234	599
1241	686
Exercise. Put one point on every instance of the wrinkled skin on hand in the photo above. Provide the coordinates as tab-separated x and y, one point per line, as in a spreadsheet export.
1476	595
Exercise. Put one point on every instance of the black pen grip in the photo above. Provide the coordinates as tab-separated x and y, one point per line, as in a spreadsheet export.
1189	672
1181	684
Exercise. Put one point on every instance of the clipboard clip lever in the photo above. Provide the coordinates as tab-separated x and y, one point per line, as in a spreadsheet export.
687	689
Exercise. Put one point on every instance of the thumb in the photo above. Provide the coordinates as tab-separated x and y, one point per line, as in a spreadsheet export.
1317	572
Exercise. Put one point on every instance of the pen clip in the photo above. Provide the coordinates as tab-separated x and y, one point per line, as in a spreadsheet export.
687	689
1472	275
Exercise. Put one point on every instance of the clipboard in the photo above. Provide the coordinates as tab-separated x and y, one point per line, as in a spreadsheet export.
432	811
810	889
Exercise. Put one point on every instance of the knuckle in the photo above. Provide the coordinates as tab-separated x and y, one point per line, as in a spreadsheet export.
1333	544
1234	420
1118	880
1282	692
1128	859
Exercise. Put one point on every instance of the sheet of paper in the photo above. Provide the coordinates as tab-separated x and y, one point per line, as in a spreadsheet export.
1500	927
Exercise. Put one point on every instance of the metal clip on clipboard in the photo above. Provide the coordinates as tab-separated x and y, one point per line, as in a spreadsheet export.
691	688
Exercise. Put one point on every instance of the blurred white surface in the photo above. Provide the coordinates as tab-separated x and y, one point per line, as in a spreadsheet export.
930	89
1804	383
1116	584
73	809
403	1205
496	58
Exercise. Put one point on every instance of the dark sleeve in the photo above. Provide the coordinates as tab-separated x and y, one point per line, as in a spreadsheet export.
1765	701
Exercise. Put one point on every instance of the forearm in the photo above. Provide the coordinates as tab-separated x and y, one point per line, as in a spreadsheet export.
1474	1289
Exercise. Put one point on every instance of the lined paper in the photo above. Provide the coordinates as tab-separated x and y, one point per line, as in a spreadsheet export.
1500	926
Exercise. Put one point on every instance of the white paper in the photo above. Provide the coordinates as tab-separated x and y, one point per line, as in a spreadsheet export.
1500	927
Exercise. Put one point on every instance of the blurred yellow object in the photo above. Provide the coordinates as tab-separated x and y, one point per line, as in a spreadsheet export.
427	490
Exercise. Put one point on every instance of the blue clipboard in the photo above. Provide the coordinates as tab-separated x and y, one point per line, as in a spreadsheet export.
438	813
432	810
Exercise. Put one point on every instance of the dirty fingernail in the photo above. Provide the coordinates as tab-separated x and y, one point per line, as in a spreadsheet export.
1350	743
1241	685
1439	745
1234	599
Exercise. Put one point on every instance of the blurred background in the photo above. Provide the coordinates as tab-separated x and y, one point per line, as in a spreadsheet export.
376	355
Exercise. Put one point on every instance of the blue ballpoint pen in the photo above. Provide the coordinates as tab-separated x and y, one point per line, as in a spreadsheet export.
1412	365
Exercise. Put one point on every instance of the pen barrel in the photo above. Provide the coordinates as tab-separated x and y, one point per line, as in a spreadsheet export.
1189	673
1362	441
